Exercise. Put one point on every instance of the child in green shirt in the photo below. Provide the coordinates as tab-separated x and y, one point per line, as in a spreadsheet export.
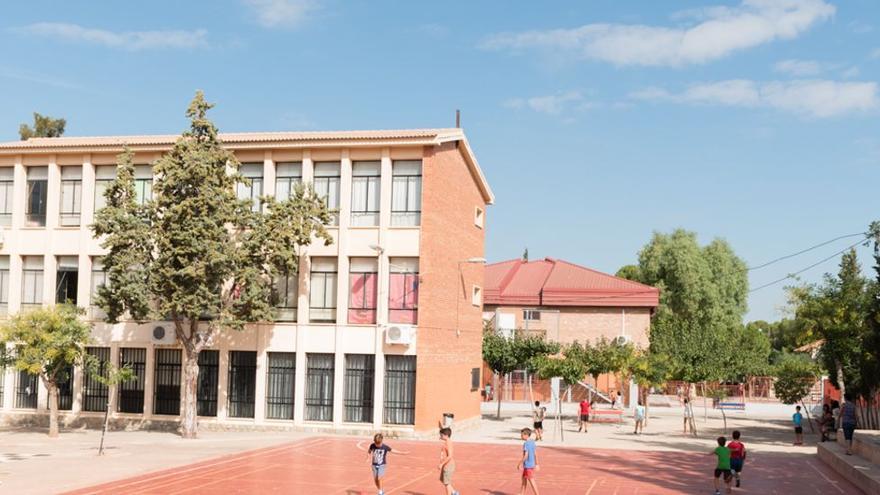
723	466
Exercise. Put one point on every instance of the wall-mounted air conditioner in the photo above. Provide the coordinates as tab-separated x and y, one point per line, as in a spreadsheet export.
399	334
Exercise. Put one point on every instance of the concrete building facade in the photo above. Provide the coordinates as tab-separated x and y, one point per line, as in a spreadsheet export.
369	331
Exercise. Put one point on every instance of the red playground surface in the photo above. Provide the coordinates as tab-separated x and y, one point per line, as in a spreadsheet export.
339	466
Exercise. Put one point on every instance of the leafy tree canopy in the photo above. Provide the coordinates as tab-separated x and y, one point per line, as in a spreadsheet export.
44	126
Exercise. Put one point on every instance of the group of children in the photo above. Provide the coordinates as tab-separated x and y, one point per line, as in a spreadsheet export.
731	457
378	452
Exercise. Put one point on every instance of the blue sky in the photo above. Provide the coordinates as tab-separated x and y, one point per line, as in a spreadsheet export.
596	122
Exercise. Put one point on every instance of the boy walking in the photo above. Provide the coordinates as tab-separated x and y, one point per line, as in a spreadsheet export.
585	416
723	466
538	414
529	462
378	454
447	461
639	416
737	456
797	418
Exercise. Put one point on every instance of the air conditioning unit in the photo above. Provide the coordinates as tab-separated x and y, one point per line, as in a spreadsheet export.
623	340
162	336
399	334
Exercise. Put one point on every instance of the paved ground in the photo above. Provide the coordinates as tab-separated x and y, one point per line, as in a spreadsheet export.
338	466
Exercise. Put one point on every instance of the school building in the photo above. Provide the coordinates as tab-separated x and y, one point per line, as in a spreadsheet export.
565	302
379	331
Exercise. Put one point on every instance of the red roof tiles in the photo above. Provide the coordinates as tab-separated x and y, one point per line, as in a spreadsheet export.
551	282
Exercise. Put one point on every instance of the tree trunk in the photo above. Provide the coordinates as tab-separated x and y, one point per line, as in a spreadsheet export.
840	384
189	425
53	408
498	395
705	403
809	419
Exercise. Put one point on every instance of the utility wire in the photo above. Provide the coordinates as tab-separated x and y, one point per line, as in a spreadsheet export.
806	250
792	275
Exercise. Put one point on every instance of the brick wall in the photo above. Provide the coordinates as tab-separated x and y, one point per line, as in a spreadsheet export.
563	324
448	236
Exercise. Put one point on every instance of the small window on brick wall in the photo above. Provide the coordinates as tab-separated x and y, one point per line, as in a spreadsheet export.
531	315
477	296
478	217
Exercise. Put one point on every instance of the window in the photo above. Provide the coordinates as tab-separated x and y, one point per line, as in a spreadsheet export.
32	282
252	191
6	195
280	385
95	393
319	387
131	394
287	177
286	294
326	184
66	279
365	192
99	278
143	183
475	379
531	315
478	217
206	394
71	196
104	175
322	291
400	390
242	383
358	400
477	295
25	390
403	298
4	286
64	382
167	392
363	284
406	193
37	184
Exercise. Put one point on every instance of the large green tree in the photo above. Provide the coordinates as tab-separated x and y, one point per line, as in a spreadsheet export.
506	354
197	255
703	291
46	342
44	126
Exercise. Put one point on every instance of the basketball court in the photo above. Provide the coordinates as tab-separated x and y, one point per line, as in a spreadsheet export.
338	465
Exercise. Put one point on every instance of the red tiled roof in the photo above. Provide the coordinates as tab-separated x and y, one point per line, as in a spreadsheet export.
551	282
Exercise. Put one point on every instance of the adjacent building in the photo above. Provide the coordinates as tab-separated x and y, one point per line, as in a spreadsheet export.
379	331
565	302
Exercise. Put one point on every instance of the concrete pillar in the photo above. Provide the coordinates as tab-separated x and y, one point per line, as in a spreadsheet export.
262	368
149	378
19	193
53	195
268	174
299	396
8	388
15	266
223	381
113	393
50	267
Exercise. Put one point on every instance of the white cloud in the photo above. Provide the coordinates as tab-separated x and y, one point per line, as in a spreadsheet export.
128	40
718	32
808	98
798	67
281	13
550	104
850	73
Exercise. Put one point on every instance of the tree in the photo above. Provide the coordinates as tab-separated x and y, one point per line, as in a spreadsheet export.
44	126
196	255
629	272
46	342
751	357
505	355
110	376
795	377
648	370
870	368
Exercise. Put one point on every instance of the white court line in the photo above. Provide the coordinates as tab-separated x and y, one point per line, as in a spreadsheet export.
590	489
826	478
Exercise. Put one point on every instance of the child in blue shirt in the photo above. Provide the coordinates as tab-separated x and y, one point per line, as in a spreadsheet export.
529	462
797	418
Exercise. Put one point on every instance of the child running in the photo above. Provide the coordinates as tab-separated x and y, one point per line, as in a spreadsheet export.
447	461
797	418
723	466
529	462
538	420
585	415
737	456
378	454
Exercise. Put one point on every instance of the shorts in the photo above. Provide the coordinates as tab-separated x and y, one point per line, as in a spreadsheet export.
446	474
725	472
798	430
528	473
378	471
539	425
585	417
848	431
736	465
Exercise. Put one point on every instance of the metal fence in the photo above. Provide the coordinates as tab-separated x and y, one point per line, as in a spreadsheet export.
167	393
358	389
25	390
280	385
95	394
242	383
400	390
319	387
206	395
131	394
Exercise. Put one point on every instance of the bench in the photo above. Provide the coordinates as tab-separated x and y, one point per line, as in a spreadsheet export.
606	416
731	406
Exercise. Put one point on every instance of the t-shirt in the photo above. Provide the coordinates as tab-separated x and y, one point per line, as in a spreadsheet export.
796	418
539	414
379	453
585	407
640	412
737	449
848	416
529	449
723	454
687	411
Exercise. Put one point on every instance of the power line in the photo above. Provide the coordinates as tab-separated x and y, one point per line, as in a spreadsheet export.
792	275
806	250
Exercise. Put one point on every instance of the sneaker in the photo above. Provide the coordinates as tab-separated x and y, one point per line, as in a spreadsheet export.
737	483
717	492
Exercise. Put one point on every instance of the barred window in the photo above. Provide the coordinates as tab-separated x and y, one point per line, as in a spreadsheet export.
400	390
95	393
358	400
131	393
242	383
25	390
319	387
209	366
167	389
280	385
64	381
